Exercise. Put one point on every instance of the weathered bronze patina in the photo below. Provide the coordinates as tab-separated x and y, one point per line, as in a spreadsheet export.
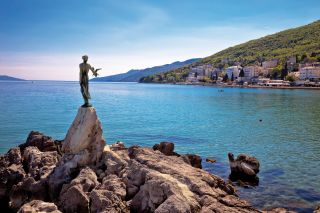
84	80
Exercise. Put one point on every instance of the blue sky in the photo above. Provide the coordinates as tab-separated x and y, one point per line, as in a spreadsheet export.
45	39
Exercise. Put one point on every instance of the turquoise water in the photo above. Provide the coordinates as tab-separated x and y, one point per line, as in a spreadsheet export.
200	120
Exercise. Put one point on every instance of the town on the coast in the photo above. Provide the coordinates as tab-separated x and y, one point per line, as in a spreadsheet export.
294	71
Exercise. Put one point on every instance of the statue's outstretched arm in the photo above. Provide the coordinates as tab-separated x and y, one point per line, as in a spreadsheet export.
94	71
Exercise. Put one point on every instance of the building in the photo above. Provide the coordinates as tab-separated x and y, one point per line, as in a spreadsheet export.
270	64
233	71
310	73
251	72
200	72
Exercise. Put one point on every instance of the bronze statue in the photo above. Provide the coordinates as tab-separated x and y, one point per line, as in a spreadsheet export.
84	80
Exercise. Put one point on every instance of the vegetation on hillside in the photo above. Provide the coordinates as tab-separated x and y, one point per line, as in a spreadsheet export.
302	42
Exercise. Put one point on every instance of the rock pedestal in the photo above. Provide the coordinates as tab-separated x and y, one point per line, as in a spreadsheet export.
83	146
85	136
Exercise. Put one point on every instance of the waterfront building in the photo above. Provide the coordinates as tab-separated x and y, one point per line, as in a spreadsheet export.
310	73
251	72
233	70
270	64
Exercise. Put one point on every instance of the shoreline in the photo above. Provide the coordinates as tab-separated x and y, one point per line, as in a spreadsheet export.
241	86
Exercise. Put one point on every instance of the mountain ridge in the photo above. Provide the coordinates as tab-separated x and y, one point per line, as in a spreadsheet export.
134	75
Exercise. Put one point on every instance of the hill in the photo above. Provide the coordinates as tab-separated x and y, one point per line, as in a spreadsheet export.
135	74
9	78
302	42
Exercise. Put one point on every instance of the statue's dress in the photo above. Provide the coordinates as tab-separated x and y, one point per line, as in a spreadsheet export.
84	80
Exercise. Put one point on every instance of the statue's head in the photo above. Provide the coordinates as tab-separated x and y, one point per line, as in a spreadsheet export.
85	58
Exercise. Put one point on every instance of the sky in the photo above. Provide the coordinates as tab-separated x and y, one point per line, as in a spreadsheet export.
45	39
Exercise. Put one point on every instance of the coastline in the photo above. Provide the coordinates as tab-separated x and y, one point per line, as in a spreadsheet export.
238	86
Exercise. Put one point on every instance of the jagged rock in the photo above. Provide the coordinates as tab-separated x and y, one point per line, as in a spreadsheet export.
27	190
109	196
244	165
166	148
11	171
39	206
118	146
9	176
83	146
160	183
39	164
193	160
74	196
42	142
84	137
114	162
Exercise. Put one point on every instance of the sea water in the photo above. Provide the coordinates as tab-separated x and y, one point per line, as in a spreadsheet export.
278	126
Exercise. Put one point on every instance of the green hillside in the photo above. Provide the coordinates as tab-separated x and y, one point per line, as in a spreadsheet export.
302	42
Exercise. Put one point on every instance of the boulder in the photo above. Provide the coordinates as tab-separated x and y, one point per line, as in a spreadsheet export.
42	142
244	167
74	197
39	164
84	137
166	148
193	160
11	171
83	146
39	206
109	196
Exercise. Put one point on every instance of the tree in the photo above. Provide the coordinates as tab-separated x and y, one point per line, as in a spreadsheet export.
241	74
225	78
291	77
216	76
284	71
232	78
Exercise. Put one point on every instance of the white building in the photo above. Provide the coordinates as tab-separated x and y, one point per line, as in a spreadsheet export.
310	73
251	72
234	70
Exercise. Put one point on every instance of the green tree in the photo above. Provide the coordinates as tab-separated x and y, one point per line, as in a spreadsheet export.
241	74
225	78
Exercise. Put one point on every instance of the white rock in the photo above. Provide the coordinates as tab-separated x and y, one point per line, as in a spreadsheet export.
85	133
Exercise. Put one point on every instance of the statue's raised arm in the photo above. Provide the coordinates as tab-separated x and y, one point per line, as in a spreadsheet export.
84	79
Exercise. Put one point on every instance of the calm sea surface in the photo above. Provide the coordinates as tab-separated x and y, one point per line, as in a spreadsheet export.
200	120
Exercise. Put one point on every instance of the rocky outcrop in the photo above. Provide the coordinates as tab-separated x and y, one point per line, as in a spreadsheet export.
38	166
159	183
167	148
74	197
84	137
83	146
244	167
39	206
109	196
42	142
88	176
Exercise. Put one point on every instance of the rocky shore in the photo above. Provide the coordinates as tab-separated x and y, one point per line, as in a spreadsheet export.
83	174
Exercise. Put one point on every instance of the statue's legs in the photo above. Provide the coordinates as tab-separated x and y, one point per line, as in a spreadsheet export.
85	95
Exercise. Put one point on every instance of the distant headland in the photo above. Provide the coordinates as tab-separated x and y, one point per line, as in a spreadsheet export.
10	78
